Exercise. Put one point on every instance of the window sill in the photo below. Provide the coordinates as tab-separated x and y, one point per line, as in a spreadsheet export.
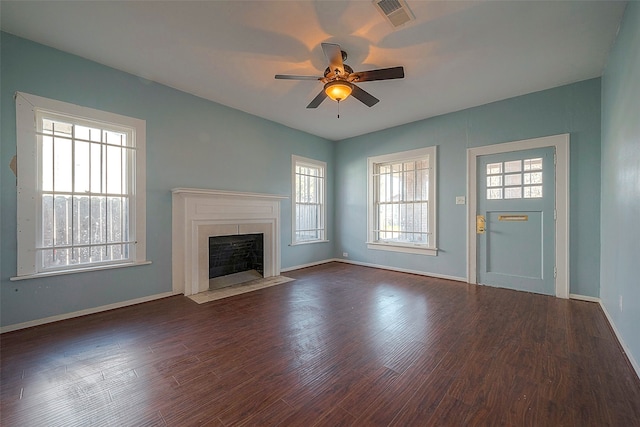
396	247
78	270
309	242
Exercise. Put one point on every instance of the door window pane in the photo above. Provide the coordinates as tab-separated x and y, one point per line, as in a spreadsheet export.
533	192
513	179
533	178
511	182
513	166
494	181
513	193
533	164
494	193
493	168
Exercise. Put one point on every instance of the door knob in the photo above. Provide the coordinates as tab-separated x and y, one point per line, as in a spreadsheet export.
480	224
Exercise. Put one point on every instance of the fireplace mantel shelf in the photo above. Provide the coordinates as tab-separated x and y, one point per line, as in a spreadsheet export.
208	192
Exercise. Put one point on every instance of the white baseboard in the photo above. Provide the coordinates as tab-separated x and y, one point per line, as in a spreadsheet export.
628	353
382	267
584	298
93	310
311	264
621	341
402	270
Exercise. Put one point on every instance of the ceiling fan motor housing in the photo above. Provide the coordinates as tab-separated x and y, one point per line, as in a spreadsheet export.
347	71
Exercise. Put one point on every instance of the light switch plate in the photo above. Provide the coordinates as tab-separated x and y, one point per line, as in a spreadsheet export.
460	200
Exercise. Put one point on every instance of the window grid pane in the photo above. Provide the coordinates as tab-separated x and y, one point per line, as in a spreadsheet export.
309	203
402	199
84	194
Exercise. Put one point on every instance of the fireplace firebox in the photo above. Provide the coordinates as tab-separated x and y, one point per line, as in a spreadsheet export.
235	259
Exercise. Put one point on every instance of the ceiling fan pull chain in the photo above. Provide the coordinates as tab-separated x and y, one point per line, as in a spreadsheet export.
338	108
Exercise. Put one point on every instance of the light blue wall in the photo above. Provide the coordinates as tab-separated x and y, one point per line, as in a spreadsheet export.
573	109
620	206
191	142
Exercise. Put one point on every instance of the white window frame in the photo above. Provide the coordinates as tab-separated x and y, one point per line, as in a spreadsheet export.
304	161
29	108
404	156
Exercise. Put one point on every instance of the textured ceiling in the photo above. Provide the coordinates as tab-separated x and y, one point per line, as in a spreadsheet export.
456	54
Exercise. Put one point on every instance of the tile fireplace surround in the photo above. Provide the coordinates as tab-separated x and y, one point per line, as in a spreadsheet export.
199	214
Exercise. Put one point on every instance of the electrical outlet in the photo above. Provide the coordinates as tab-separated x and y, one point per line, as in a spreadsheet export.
620	302
345	255
460	200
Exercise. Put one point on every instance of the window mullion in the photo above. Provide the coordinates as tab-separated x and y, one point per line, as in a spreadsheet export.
404	198
309	199
54	228
89	231
73	188
105	189
122	192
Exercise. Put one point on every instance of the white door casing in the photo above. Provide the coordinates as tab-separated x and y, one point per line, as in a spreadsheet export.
561	144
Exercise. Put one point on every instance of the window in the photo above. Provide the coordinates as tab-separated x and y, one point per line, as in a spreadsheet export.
308	200
81	188
402	202
515	179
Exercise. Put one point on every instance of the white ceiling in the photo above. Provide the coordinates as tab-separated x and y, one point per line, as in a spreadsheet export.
455	54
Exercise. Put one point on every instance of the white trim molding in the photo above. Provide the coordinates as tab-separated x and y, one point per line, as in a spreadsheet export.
84	312
379	266
625	349
584	298
561	144
31	111
320	198
200	213
401	270
373	242
311	264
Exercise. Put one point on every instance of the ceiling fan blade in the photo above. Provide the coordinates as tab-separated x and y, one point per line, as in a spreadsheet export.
333	53
317	100
291	77
381	74
363	96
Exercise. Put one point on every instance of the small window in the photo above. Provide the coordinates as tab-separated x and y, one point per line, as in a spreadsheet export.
515	179
81	189
308	200
402	201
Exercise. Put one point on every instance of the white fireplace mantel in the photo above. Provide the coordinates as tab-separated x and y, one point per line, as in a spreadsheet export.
201	213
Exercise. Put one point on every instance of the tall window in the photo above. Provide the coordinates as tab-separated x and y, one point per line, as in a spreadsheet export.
402	201
308	201
80	187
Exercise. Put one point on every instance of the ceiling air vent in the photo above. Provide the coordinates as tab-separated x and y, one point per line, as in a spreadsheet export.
395	11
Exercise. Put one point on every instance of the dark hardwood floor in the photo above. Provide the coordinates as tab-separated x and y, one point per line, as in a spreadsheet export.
341	345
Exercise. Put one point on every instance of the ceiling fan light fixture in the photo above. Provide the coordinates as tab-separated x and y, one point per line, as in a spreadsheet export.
338	90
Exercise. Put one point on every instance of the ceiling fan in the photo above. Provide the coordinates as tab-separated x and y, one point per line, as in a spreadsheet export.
339	78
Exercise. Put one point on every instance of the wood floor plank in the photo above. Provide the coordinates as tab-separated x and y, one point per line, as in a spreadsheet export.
340	345
366	390
275	414
423	403
336	417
